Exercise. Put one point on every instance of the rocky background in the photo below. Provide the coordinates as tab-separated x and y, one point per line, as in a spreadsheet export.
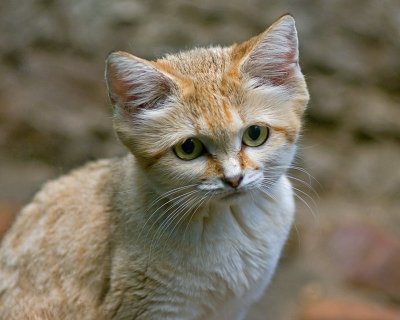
343	259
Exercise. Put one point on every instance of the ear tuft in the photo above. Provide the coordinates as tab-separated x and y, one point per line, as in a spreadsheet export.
273	60
134	84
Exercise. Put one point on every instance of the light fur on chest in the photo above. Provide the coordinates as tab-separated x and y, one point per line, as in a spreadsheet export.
213	268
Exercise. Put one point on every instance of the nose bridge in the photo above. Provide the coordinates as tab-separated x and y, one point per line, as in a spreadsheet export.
231	167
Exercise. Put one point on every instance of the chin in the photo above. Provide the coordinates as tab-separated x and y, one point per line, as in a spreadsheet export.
232	197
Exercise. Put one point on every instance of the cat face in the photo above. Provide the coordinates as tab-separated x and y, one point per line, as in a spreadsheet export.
213	123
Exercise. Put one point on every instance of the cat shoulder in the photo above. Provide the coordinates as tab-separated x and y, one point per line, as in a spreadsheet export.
81	197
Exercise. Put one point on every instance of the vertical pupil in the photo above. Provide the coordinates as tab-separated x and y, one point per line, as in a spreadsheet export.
254	132
188	146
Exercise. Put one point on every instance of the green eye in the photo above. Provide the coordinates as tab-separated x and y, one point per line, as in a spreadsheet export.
255	136
190	149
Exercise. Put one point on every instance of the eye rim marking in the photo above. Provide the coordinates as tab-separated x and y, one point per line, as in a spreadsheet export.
182	155
264	133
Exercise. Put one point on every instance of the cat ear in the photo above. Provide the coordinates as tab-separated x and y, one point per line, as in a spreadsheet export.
135	84
273	57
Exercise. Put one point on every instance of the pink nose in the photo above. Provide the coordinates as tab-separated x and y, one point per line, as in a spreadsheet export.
233	181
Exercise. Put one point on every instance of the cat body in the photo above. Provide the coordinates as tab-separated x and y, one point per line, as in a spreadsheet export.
217	274
190	224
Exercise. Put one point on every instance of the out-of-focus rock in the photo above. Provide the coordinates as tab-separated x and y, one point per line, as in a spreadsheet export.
369	257
339	309
374	171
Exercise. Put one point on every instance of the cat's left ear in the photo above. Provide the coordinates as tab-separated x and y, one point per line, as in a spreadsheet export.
272	58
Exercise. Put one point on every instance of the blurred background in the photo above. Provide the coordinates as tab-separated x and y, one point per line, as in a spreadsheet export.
342	260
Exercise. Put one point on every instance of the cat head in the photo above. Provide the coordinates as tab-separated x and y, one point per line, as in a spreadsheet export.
217	121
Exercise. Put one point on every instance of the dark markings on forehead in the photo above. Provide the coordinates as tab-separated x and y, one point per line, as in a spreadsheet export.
200	63
227	111
208	105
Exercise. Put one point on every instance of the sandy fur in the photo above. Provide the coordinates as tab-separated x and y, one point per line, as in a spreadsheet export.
107	276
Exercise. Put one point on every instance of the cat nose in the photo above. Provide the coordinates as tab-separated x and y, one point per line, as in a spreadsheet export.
233	181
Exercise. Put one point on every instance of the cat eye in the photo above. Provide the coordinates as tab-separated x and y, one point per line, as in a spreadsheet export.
255	136
190	149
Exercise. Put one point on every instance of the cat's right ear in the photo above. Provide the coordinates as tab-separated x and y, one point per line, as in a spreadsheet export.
135	84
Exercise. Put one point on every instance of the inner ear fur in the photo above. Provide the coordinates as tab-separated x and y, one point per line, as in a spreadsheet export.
134	83
271	58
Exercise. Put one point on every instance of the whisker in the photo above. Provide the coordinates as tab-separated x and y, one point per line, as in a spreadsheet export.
307	205
172	200
300	169
168	193
182	217
154	240
265	190
307	195
176	214
168	222
196	209
172	212
305	183
296	192
174	203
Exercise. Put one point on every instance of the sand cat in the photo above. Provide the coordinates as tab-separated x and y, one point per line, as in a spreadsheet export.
190	224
